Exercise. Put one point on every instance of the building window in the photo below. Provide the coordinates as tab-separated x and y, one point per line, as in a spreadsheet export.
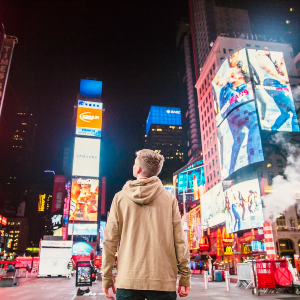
213	162
281	224
207	179
214	174
213	126
293	224
214	66
257	46
230	51
269	163
212	151
208	119
209	155
224	50
248	45
218	173
215	147
270	177
210	176
279	163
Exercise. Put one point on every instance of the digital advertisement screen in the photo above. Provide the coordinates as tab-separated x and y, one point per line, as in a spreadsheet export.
82	229
89	118
213	207
163	116
243	206
86	157
232	85
84	199
81	248
275	102
239	139
83	273
101	232
195	227
90	88
169	188
191	182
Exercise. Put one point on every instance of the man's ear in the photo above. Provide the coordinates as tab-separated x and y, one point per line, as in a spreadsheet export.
139	170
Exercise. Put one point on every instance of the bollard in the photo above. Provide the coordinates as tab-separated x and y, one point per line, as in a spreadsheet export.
205	280
227	281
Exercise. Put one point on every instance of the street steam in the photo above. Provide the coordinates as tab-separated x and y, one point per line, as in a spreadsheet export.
284	189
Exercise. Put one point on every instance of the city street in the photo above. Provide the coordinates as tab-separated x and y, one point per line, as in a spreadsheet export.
64	289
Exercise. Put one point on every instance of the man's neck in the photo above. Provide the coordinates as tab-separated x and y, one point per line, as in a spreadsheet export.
140	177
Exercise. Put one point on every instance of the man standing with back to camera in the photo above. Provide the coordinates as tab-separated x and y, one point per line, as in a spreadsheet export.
145	221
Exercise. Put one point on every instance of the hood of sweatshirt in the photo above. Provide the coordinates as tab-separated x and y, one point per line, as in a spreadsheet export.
143	191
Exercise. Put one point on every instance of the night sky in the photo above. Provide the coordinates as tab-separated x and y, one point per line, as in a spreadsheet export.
129	45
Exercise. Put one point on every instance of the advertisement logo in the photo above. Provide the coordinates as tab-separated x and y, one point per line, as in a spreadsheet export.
87	117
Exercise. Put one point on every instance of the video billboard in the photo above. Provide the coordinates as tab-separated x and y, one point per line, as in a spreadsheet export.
89	118
82	229
195	227
86	157
101	232
190	182
232	85
163	115
275	102
58	192
243	206
84	199
213	207
239	139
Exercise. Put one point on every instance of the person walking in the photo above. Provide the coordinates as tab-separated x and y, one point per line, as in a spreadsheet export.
145	225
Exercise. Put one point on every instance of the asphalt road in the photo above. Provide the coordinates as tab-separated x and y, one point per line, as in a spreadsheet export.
63	288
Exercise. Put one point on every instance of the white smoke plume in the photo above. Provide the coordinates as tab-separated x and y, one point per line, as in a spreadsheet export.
284	189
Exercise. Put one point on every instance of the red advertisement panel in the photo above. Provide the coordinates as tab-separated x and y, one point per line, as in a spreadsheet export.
58	192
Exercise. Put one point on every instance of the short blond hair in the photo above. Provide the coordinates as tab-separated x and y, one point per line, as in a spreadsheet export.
150	162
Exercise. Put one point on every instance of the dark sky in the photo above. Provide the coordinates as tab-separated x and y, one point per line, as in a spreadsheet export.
129	45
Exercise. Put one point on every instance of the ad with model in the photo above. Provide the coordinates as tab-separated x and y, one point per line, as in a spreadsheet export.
190	182
275	102
231	85
243	206
213	207
84	199
195	227
239	139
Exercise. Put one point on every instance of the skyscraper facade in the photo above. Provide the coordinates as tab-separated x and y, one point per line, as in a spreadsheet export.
210	18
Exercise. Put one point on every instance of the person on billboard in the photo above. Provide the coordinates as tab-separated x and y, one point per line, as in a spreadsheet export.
242	204
250	201
145	222
275	83
241	120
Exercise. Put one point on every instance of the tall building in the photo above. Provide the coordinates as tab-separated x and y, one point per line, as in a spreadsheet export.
164	135
210	18
186	79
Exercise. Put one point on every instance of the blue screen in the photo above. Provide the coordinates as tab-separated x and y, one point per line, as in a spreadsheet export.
90	88
81	248
163	115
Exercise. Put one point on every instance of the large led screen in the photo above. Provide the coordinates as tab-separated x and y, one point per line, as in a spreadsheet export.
243	206
82	229
213	207
89	118
163	115
275	102
191	182
232	85
195	227
86	157
239	139
101	232
84	199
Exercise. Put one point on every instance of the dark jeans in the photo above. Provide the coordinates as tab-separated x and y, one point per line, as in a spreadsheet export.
125	294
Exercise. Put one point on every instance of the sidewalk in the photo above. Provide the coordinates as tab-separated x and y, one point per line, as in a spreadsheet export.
64	289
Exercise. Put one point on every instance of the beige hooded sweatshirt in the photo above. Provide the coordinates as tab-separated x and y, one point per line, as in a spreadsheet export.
145	219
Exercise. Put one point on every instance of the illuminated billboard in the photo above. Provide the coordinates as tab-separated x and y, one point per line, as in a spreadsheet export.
189	182
274	98
232	85
90	88
163	115
243	206
82	229
169	188
195	227
239	139
86	157
89	118
84	199
101	232
213	207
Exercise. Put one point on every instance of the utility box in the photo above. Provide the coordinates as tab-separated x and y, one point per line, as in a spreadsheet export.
54	258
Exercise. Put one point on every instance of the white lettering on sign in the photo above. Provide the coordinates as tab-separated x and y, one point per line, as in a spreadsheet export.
88	118
177	112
